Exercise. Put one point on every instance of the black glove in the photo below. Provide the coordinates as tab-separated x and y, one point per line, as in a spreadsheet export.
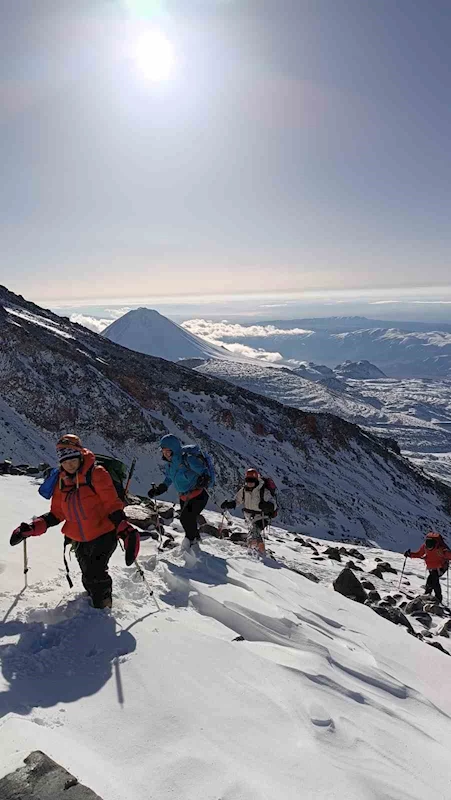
266	507
407	554
20	533
154	491
228	504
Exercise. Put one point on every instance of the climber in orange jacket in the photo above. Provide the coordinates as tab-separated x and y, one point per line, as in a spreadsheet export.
436	556
86	500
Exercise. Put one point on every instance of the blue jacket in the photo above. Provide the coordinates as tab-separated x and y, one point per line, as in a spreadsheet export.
184	469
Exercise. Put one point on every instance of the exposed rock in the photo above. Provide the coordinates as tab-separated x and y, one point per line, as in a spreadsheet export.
445	629
384	566
377	572
309	575
333	553
351	565
348	585
393	614
373	596
414	605
209	530
356	554
141	516
422	617
43	779
317	558
389	600
367	585
438	646
434	608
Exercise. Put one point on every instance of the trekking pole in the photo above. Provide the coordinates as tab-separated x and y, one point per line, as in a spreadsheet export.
130	476
141	573
402	572
447	587
25	562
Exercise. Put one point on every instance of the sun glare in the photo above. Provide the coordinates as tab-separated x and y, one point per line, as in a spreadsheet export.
154	55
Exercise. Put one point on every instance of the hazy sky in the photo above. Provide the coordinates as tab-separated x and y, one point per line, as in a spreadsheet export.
299	144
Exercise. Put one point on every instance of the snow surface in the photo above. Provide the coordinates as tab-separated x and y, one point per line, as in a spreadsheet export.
323	699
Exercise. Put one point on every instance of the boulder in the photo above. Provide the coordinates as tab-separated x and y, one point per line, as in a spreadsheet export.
348	585
351	565
356	554
434	608
384	566
445	629
373	596
309	575
389	600
377	572
393	614
209	530
333	553
414	605
5	467
422	617
368	585
33	471
43	779
141	516
438	646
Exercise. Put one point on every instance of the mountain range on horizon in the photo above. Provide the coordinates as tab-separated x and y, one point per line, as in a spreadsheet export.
334	479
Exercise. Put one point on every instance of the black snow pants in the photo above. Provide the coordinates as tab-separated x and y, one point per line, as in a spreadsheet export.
190	511
433	582
93	558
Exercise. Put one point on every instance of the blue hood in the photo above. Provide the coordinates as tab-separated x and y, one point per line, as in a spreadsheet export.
172	443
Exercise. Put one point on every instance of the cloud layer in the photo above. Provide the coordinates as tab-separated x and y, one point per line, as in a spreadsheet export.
214	331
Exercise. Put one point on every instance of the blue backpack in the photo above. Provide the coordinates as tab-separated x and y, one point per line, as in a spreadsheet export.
209	476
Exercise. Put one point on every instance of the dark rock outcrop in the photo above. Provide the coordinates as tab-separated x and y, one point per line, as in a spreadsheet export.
348	585
43	779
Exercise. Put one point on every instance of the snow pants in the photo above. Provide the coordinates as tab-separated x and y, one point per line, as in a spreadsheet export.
256	528
93	558
433	582
190	511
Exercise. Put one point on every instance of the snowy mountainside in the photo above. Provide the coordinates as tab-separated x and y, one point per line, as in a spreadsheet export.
149	332
417	413
238	680
359	370
334	479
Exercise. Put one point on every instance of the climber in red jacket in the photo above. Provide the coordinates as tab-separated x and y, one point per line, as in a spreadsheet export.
436	556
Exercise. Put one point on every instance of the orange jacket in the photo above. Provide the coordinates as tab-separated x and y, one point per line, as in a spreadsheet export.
85	510
434	559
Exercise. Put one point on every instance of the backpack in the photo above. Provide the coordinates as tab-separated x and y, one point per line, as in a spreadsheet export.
208	477
271	487
115	468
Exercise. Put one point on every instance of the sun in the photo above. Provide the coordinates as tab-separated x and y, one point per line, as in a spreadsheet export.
154	56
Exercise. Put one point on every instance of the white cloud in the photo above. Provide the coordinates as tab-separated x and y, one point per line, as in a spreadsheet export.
212	331
93	323
251	352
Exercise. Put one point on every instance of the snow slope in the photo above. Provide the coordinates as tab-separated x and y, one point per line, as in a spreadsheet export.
147	331
321	699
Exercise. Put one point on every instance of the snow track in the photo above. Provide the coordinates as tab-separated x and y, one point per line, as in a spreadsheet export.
241	680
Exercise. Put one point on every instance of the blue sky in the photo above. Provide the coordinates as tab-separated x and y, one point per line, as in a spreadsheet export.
299	144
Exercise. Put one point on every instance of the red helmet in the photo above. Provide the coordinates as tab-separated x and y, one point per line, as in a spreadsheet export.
252	475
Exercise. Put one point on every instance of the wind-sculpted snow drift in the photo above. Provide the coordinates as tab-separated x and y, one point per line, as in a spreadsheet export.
239	680
333	478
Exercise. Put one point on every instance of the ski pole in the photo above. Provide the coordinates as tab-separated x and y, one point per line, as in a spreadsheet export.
130	476
25	562
402	572
140	571
447	587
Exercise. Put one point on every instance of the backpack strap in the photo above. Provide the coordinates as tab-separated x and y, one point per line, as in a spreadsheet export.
88	478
